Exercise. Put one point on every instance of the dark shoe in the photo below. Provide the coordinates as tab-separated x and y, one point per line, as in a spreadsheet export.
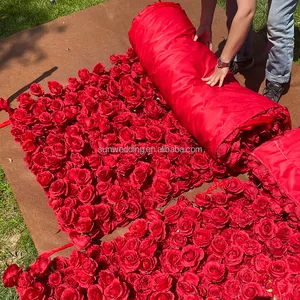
239	66
273	90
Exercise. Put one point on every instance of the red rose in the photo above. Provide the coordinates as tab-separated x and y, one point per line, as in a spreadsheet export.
199	162
134	209
202	237
296	291
141	284
44	178
58	188
121	207
234	186
55	279
105	278
246	275
233	288
242	217
281	287
99	69
265	229
294	242
140	174
154	134
83	279
71	98
84	225
116	291
191	256
115	194
94	293
103	212
59	151
115	71
219	217
239	237
138	228
251	247
73	84
178	240
25	280
84	75
187	285
284	231
66	216
161	282
214	271
55	203
106	108
219	199
152	109
28	146
186	226
56	105
261	263
293	263
89	266
278	269
162	296
219	244
75	143
71	294
55	87
171	261
261	205
217	168
251	290
11	275
138	69
113	89
233	255
36	89
87	194
148	247
158	229
126	134
104	125
276	247
147	265
129	261
162	186
35	292
192	213
203	200
59	118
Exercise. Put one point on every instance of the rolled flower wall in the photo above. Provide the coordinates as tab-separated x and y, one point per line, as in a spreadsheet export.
240	242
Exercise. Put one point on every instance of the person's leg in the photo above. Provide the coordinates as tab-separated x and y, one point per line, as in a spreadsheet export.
281	44
245	54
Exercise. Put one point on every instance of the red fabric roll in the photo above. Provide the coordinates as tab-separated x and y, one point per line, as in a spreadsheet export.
277	165
162	36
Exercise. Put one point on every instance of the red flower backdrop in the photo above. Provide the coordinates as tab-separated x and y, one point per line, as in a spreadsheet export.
96	147
234	244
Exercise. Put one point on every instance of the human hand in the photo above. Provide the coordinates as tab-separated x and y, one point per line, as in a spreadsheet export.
217	77
204	36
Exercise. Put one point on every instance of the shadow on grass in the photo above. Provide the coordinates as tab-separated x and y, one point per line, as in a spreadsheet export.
23	46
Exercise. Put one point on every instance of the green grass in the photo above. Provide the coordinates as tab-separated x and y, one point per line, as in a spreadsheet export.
16	245
17	15
260	23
